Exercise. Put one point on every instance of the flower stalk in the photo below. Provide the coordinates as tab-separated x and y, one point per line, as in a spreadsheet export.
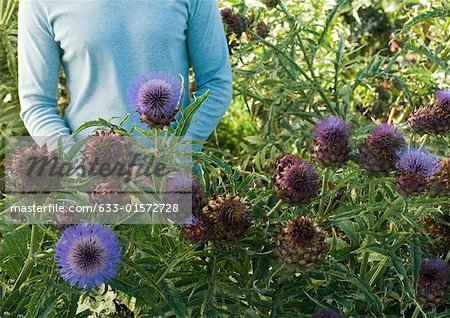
29	262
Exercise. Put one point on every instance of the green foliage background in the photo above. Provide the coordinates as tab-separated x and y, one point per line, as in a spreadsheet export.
367	61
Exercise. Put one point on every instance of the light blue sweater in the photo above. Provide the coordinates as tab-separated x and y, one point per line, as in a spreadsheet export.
104	45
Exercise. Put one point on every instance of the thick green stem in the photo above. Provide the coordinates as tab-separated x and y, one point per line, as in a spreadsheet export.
368	240
416	312
365	261
326	177
29	262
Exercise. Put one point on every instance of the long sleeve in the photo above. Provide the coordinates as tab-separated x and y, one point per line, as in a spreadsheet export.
39	66
208	53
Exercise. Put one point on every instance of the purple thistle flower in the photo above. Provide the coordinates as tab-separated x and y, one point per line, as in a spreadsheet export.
197	230
331	129
378	153
433	283
328	313
156	97
415	168
185	190
435	270
331	142
418	161
443	99
386	137
297	184
88	255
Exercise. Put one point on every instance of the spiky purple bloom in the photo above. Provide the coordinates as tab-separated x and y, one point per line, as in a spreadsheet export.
443	99
415	167
183	187
156	97
418	161
378	153
328	313
331	142
386	137
297	184
286	162
433	283
197	230
422	120
227	16
331	129
33	169
262	29
88	255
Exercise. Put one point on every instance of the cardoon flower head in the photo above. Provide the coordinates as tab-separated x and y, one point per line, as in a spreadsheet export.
239	23
157	98
433	283
422	120
378	153
183	187
230	216
328	313
109	192
418	161
197	230
262	29
33	169
331	137
443	100
301	244
415	167
88	255
286	162
440	182
227	16
438	229
107	153
297	183
386	138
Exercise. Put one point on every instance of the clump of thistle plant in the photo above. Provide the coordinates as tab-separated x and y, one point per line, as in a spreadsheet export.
88	255
33	169
295	181
301	244
157	98
197	230
230	216
433	283
378	153
328	313
331	142
440	181
415	167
